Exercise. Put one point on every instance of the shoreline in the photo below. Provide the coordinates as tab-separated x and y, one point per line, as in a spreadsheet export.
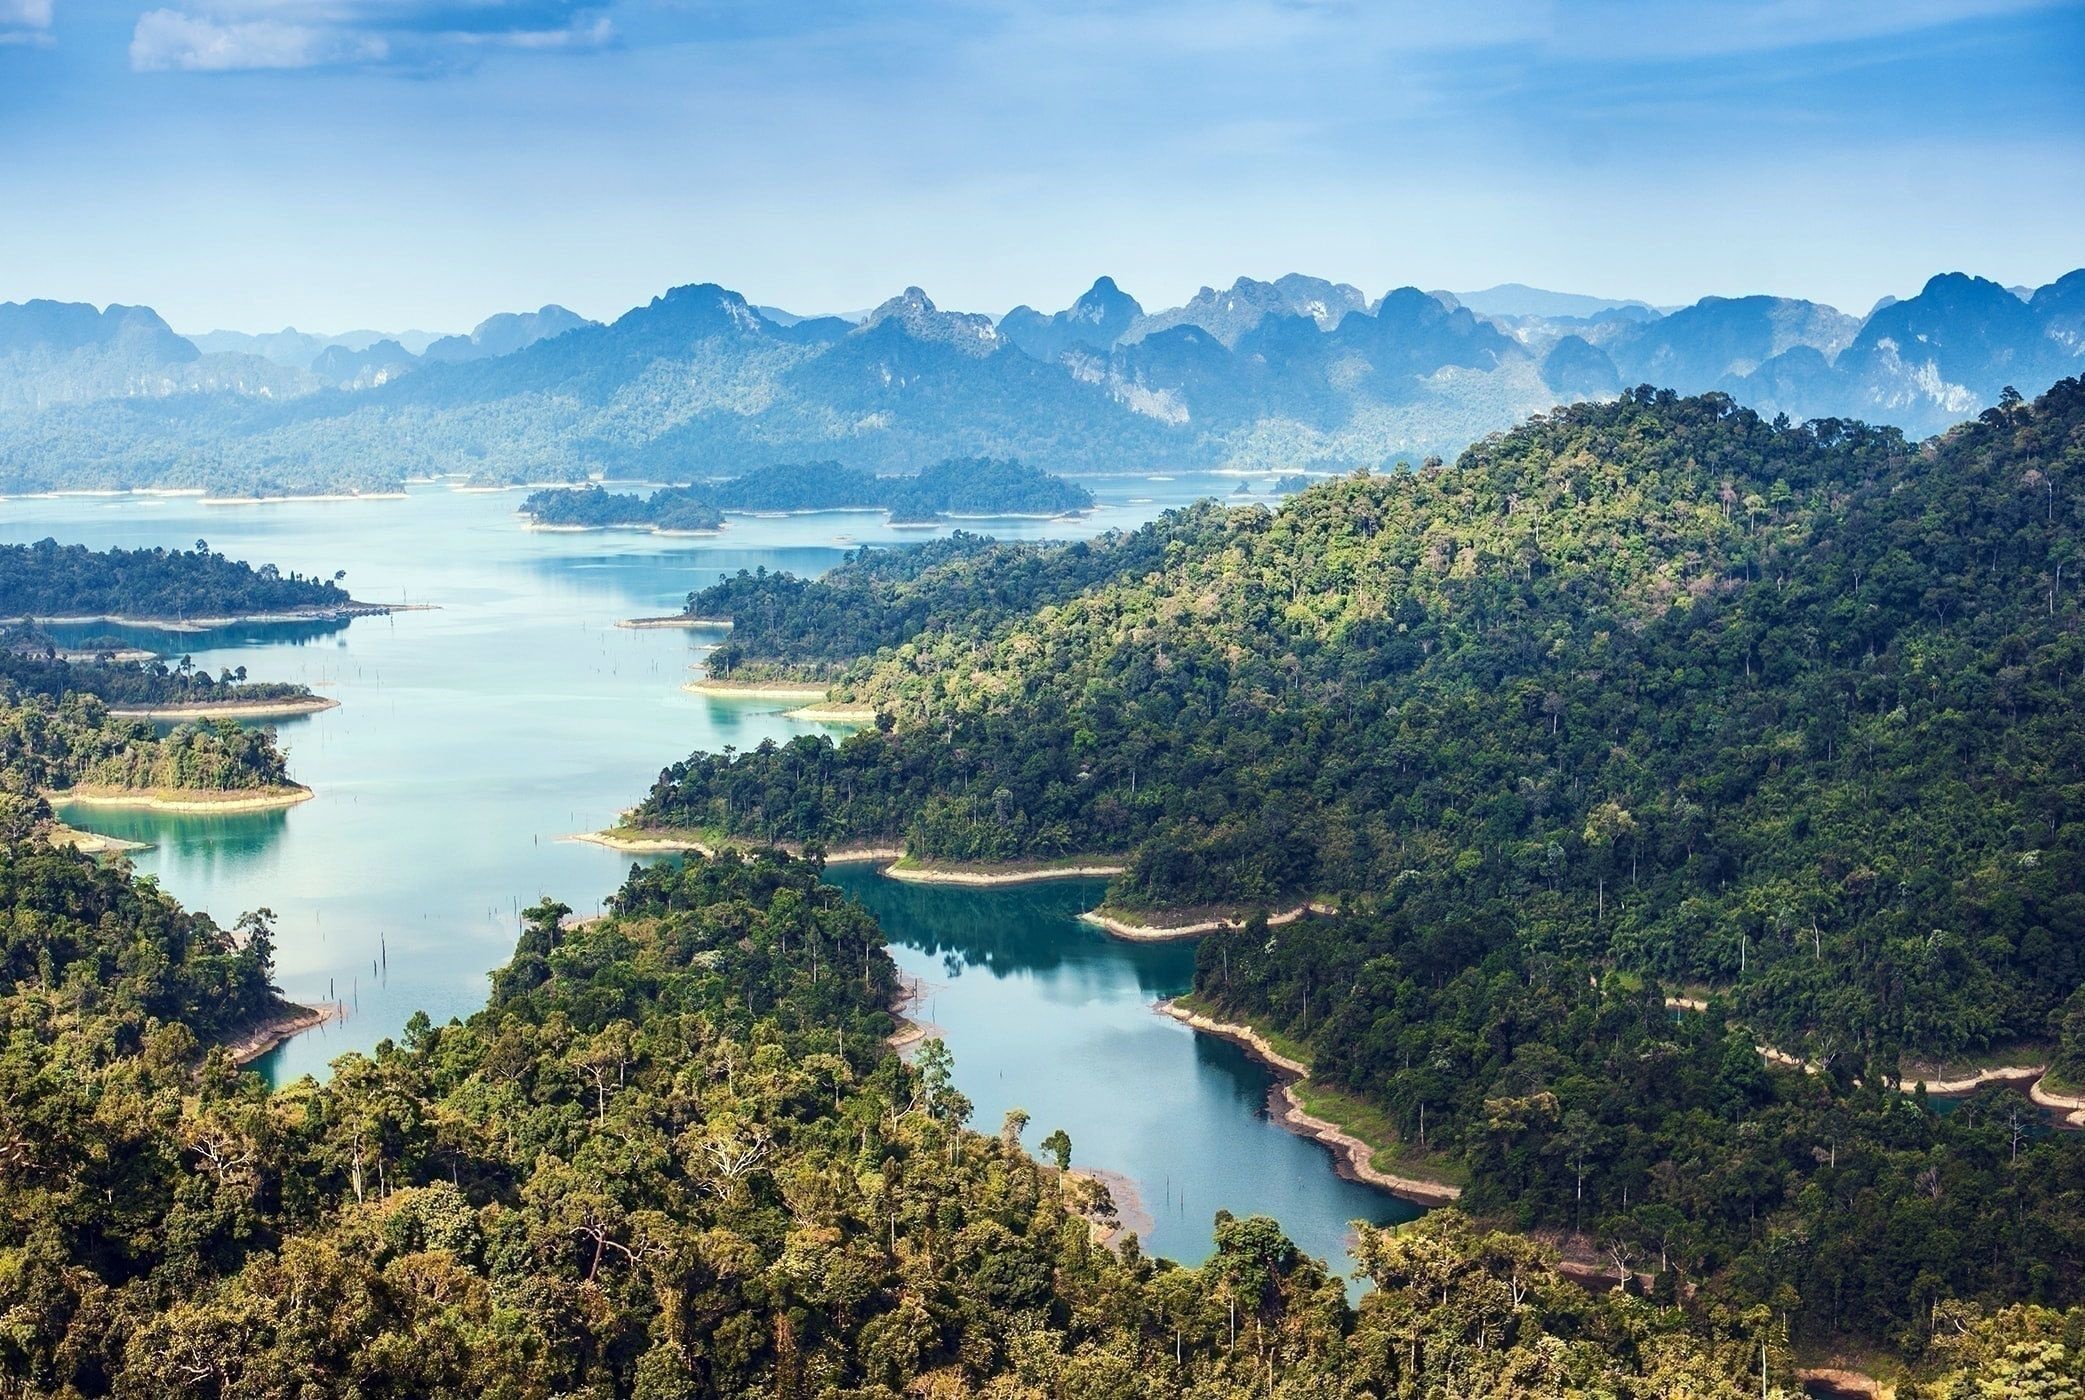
1166	933
183	799
658	841
1131	1215
927	873
693	624
256	1041
833	714
911	1031
314	496
1353	1157
92	843
284	708
345	612
728	690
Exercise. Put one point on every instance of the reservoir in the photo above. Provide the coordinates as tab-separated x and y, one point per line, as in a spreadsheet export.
474	736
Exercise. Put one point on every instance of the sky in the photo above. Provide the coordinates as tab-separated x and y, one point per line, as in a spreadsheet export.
337	164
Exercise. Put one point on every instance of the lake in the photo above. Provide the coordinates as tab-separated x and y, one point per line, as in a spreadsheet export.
474	736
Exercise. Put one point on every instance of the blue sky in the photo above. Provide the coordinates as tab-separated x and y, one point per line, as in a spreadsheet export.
423	163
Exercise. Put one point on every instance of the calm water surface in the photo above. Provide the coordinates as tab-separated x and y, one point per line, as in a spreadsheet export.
473	736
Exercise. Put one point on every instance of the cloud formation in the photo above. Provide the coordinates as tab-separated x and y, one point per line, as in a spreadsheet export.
25	21
217	36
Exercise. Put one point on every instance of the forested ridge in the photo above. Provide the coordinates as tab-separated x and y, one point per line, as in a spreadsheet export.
876	599
1642	699
958	486
1788	710
674	1157
50	580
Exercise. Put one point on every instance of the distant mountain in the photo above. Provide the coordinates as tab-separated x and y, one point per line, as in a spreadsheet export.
54	352
1698	347
1295	374
1519	299
504	334
1930	360
342	368
1229	314
294	349
1099	318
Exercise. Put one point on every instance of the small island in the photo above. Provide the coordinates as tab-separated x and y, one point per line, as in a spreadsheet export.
172	589
958	488
33	664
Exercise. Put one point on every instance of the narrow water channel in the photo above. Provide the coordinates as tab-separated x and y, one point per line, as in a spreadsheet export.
472	738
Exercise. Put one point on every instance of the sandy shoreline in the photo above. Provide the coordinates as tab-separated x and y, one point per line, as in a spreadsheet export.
283	708
727	690
316	496
911	1030
654	842
183	799
929	874
1955	1087
1166	933
345	612
833	714
91	843
1353	1155
251	1044
693	624
1132	1216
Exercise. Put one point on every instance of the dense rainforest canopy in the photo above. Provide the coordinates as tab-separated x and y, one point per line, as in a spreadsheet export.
1646	697
674	1157
959	487
50	580
1788	710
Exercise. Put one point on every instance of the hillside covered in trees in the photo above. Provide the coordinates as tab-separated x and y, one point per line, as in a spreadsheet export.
958	487
674	1157
50	580
1645	697
802	629
1781	708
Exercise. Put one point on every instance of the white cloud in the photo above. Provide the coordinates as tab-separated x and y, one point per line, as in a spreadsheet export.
25	21
230	35
169	39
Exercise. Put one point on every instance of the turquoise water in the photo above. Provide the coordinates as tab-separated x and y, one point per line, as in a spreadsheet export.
474	736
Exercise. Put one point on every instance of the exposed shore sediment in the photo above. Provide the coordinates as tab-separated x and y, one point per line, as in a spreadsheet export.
1354	1156
256	1041
282	708
184	799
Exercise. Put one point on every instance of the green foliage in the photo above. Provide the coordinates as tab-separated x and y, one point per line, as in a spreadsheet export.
50	580
1784	708
970	486
674	1157
878	599
74	741
31	664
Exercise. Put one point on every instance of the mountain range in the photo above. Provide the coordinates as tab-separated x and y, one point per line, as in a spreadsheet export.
1295	372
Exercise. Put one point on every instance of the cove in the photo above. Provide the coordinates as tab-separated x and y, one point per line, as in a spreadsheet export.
473	737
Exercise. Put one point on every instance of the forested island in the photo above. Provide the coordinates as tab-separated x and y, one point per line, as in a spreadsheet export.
52	582
674	1156
1642	700
979	486
74	747
32	663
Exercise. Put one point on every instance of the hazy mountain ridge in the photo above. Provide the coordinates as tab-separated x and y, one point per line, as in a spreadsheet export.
1299	371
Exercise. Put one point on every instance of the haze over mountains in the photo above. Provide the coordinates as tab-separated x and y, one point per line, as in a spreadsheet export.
1296	372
